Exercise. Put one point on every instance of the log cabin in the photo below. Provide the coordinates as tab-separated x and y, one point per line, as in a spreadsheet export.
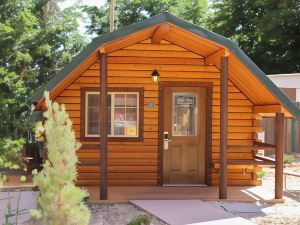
164	102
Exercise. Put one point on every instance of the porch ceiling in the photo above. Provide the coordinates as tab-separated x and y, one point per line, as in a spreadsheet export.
242	71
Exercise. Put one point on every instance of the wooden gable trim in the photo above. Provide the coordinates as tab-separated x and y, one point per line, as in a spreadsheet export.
178	31
267	108
160	33
234	74
271	110
128	40
216	56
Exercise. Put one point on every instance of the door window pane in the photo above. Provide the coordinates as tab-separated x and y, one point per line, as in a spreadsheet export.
185	114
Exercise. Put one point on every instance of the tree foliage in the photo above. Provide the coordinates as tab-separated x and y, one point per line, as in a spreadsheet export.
36	40
61	202
132	11
267	30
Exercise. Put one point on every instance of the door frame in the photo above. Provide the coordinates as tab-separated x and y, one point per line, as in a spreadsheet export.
208	149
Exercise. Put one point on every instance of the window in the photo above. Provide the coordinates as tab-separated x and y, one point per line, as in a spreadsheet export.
185	114
92	114
123	113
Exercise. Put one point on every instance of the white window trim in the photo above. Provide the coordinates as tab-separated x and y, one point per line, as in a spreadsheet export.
112	113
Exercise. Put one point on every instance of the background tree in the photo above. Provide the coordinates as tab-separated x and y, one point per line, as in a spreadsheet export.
36	40
267	30
132	11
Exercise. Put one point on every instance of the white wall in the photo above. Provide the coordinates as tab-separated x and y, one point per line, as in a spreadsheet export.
287	81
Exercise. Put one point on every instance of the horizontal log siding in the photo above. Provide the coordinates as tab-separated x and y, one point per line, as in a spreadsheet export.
135	163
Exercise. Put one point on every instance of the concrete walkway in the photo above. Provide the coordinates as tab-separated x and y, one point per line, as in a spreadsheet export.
183	212
21	202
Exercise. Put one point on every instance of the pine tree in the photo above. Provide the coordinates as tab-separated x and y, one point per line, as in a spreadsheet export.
60	201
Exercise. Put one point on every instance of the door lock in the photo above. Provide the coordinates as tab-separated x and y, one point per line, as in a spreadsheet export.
166	140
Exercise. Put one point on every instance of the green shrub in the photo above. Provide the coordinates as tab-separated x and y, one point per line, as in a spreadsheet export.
262	174
23	179
288	159
60	201
10	153
3	179
140	220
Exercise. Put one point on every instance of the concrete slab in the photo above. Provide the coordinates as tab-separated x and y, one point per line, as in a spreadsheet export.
183	212
27	201
246	208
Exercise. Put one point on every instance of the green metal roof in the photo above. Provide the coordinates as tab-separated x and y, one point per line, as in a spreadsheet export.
167	17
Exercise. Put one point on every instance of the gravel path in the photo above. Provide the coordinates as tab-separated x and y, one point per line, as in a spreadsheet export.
287	212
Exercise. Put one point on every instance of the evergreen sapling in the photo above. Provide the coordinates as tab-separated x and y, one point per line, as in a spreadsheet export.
60	201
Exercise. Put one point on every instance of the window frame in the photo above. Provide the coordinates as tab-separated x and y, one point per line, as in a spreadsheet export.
83	113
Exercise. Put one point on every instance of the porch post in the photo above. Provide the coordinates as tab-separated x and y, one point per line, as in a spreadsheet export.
102	125
279	155
223	128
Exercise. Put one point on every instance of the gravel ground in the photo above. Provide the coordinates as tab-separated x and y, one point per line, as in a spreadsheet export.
287	213
117	214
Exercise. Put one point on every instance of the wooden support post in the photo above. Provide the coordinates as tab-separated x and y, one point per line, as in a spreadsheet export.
279	155
223	127
103	126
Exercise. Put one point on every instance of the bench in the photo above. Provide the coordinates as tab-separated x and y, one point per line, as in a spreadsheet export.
289	173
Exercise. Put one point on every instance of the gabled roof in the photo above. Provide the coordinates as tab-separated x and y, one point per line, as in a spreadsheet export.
162	18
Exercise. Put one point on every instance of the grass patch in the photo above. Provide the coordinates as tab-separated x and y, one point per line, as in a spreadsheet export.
141	220
262	174
288	159
3	179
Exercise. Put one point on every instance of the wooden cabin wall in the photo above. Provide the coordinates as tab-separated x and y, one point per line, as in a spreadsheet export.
135	163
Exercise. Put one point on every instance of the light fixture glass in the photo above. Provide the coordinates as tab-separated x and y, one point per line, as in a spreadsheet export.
155	76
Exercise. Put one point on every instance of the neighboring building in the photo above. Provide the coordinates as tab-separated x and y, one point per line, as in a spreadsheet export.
290	85
172	132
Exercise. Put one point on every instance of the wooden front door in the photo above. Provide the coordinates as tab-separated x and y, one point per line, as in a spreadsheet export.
184	135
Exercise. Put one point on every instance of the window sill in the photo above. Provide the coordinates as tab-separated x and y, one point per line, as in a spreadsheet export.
114	139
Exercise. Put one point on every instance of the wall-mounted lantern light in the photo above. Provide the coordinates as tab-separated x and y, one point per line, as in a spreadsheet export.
155	76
